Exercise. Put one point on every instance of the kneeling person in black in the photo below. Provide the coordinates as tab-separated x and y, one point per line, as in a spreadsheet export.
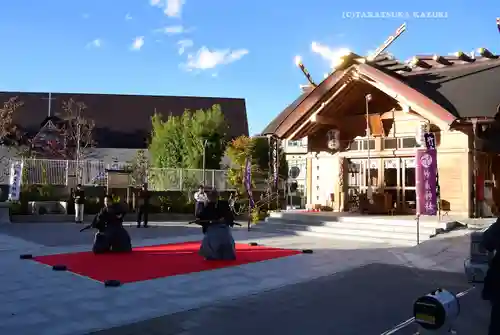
216	220
111	235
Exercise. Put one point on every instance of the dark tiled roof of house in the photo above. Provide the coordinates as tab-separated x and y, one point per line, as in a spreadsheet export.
465	86
124	121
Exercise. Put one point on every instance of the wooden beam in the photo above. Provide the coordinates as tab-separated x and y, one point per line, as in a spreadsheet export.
326	120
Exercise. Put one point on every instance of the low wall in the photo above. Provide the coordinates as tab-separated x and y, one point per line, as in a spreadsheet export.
130	217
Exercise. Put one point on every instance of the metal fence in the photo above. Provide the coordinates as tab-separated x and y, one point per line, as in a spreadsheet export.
93	173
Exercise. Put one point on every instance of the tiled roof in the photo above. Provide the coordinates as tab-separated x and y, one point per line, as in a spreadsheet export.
466	86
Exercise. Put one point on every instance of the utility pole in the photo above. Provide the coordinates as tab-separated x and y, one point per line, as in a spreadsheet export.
369	190
205	142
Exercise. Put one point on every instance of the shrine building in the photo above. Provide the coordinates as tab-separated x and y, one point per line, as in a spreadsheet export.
362	125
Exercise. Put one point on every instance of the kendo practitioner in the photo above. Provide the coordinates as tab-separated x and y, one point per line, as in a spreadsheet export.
216	218
111	235
143	211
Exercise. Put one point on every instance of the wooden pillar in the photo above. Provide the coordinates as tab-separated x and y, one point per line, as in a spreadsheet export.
308	180
475	207
341	193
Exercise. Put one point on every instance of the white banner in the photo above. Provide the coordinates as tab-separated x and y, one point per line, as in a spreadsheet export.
16	173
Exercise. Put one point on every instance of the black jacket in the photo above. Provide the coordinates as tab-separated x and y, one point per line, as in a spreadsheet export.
110	217
491	242
144	196
216	213
79	197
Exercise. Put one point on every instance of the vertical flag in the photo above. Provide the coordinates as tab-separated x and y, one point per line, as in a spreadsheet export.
498	24
248	181
276	164
16	174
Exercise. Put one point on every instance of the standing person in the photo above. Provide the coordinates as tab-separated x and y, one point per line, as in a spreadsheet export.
144	196
79	197
200	199
491	288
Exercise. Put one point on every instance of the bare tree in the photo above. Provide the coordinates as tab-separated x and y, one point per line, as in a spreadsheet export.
77	130
9	134
139	168
11	138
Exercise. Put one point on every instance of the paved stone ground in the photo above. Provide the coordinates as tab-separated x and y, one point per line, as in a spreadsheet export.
367	300
336	290
67	234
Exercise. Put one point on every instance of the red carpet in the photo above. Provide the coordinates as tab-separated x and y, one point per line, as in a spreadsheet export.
158	261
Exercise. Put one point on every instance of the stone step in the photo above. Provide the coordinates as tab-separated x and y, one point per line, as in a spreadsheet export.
307	218
359	226
400	238
349	237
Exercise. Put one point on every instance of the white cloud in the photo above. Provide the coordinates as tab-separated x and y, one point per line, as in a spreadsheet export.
173	30
138	43
333	56
128	17
174	8
205	59
171	8
97	43
183	45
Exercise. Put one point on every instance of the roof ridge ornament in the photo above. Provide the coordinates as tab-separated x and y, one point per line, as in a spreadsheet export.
401	29
463	57
486	53
298	62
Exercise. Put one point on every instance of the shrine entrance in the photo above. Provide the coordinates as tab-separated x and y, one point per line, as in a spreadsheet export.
399	181
393	177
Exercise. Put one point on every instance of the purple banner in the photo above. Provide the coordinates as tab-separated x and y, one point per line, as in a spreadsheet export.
430	140
248	181
426	181
275	163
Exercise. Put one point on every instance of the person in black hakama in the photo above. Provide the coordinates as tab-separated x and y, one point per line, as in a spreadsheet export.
111	235
216	218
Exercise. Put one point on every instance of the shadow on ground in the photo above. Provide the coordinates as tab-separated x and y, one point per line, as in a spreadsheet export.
66	234
365	301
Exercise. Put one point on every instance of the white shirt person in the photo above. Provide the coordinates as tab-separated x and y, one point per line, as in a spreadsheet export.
200	196
200	199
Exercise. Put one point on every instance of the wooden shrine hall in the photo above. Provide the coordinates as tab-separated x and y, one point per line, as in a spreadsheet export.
365	121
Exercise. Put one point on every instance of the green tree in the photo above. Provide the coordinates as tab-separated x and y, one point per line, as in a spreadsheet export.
258	149
180	143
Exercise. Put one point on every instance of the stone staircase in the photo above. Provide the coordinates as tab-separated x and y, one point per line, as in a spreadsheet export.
397	230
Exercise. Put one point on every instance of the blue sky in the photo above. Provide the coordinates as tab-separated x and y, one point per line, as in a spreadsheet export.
231	48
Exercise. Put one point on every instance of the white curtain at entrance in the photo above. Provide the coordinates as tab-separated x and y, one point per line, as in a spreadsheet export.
410	163
391	163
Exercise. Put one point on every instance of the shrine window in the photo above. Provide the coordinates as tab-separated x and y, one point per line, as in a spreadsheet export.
390	143
361	145
409	142
400	143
